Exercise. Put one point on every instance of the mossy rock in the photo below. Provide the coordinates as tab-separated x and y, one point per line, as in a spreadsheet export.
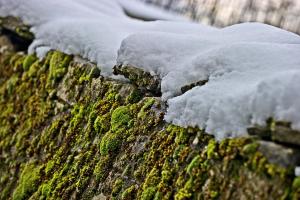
68	133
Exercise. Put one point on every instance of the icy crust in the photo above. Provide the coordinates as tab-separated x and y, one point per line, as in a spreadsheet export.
251	70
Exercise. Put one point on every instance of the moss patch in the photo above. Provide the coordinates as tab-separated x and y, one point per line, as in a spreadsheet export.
28	182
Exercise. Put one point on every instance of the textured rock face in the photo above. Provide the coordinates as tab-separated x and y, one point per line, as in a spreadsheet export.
280	13
68	133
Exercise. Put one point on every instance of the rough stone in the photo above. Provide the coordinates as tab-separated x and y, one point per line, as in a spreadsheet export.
16	26
143	79
279	154
286	135
260	131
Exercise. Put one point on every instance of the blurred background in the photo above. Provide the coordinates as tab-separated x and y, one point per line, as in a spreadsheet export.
281	13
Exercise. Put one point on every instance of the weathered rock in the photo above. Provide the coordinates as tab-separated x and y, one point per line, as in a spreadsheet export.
142	79
284	134
280	132
279	154
78	76
262	132
17	32
16	26
5	44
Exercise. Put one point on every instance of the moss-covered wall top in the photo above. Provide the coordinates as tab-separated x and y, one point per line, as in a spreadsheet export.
68	133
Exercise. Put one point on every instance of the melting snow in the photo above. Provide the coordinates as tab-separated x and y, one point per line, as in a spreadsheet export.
253	70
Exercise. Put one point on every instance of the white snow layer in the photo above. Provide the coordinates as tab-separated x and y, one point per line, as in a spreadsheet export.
253	70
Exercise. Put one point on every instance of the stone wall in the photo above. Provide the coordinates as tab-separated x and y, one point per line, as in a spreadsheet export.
66	132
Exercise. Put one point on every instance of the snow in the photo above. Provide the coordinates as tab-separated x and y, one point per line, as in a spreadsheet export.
202	54
252	69
93	29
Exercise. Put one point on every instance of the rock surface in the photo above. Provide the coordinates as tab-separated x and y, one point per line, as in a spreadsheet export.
68	133
279	154
142	79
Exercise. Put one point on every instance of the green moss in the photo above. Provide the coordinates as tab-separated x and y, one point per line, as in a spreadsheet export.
214	194
166	176
117	187
49	166
34	69
159	196
182	135
87	76
129	193
28	61
185	193
110	143
134	97
78	115
296	183
16	61
250	148
193	164
84	78
211	149
46	190
120	118
149	193
147	105
28	183
58	66
102	168
102	123
11	84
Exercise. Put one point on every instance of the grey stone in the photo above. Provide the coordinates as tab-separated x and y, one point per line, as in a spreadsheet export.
286	135
142	79
279	154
